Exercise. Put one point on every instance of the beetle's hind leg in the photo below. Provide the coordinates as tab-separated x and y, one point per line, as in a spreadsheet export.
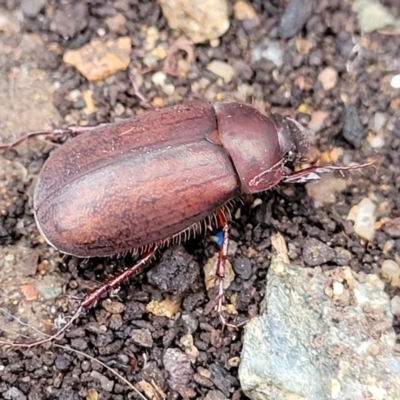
87	301
71	131
220	272
117	280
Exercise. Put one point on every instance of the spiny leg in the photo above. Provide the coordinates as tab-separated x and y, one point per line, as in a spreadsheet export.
88	300
220	272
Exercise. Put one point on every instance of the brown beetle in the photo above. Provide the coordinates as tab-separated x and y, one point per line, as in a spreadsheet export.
135	184
142	180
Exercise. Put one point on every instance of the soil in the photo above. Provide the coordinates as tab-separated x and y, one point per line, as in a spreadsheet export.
119	330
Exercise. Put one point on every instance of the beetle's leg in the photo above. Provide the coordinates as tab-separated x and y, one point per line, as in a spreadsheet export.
220	272
115	281
314	172
88	300
70	131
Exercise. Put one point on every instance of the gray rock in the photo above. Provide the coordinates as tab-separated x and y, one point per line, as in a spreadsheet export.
142	337
177	365
294	18
307	345
316	252
31	8
14	394
242	267
106	384
271	51
353	130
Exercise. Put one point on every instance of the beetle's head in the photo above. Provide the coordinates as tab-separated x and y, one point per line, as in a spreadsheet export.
292	137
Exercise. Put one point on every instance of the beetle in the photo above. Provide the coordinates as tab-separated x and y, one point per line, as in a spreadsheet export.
136	184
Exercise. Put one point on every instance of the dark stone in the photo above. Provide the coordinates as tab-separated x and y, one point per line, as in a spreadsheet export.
317	253
295	17
353	130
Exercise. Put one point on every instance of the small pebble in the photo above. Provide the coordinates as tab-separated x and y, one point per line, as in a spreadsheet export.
31	8
200	21
388	246
324	190
328	78
49	291
303	46
243	11
379	120
372	15
98	60
177	365
113	307
390	270
272	52
106	384
29	292
160	79
317	253
215	395
242	267
343	256
116	23
142	337
210	269
190	323
222	379
395	305
395	82
296	15
376	142
92	394
353	130
363	215
221	69
79	344
338	288
69	18
165	308
14	394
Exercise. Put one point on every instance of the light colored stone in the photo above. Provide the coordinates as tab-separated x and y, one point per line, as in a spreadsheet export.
324	190
363	215
98	60
200	21
395	82
221	69
210	269
306	345
395	305
271	51
390	270
372	15
328	78
244	11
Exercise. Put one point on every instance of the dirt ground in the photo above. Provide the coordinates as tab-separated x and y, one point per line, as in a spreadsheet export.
38	90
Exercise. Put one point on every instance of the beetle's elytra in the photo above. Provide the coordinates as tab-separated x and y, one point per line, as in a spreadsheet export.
140	181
